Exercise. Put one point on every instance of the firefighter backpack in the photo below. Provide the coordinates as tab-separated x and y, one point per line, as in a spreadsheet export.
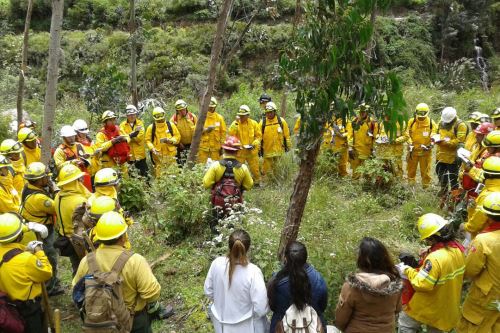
297	321
226	192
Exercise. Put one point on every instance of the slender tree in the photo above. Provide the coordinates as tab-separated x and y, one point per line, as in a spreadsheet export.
52	77
24	63
212	76
133	55
326	63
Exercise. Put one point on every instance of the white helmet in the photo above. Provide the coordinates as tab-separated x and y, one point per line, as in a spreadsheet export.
131	109
448	114
81	126
67	130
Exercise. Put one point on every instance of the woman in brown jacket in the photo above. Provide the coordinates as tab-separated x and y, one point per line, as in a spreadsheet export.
371	298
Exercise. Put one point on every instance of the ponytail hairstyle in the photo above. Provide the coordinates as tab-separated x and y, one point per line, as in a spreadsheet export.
294	269
239	243
373	257
446	234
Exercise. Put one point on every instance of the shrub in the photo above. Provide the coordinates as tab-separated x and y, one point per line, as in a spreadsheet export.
376	174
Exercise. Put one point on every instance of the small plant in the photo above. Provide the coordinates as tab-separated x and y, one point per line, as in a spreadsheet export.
132	195
327	165
376	173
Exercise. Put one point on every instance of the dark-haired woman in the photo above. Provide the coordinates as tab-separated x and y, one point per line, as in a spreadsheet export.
370	298
297	282
237	290
437	282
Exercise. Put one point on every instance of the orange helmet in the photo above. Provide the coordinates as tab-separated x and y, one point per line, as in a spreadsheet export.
484	128
232	143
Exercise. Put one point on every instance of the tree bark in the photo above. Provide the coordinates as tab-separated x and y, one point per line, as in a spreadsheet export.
52	78
133	55
212	76
24	64
298	198
371	43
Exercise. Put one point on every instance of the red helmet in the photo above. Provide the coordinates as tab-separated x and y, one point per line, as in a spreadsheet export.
484	128
232	143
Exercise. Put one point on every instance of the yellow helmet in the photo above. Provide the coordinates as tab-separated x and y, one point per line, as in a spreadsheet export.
10	146
475	117
110	226
491	204
26	134
244	110
430	224
11	226
36	170
491	165
158	113
102	205
492	140
4	162
106	177
213	103
68	174
108	115
422	110
495	114
180	105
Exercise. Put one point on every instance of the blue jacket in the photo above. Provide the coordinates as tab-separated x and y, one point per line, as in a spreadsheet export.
282	300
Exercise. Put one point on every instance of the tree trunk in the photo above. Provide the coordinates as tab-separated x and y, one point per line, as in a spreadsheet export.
298	198
24	64
52	77
298	14
133	55
371	43
212	75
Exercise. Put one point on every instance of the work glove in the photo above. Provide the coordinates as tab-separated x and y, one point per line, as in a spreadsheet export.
401	267
39	229
134	134
33	245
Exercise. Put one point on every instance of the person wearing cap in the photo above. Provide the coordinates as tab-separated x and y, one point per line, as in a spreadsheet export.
72	152
82	136
73	194
113	143
480	310
134	128
31	146
213	135
275	138
450	136
162	137
140	288
37	206
23	271
495	118
13	151
362	130
249	133
186	123
474	121
10	199
437	283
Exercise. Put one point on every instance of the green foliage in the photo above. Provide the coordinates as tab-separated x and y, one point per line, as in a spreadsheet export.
459	75
377	174
97	13
326	165
132	195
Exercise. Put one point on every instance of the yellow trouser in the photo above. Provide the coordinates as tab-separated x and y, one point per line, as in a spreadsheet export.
268	164
355	163
161	162
425	167
204	155
252	159
342	163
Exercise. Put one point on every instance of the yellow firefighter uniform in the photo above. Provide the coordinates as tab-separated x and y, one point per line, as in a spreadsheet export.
185	125
19	168
242	175
249	133
362	135
481	309
335	138
137	148
438	287
447	149
419	133
22	277
9	197
391	149
211	141
273	141
139	286
37	206
71	196
167	151
470	141
102	143
31	155
65	153
296	127
477	220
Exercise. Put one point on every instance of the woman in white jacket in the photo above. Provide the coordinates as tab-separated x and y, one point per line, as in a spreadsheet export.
237	290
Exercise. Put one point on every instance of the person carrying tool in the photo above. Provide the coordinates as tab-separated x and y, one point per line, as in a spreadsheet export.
437	283
37	205
10	199
249	133
419	132
134	128
362	133
480	311
162	137
113	143
13	151
186	123
213	136
275	138
23	270
31	146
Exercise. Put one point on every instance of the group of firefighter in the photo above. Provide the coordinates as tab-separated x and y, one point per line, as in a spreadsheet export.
87	175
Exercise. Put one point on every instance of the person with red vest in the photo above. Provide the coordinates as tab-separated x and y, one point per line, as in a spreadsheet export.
113	142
